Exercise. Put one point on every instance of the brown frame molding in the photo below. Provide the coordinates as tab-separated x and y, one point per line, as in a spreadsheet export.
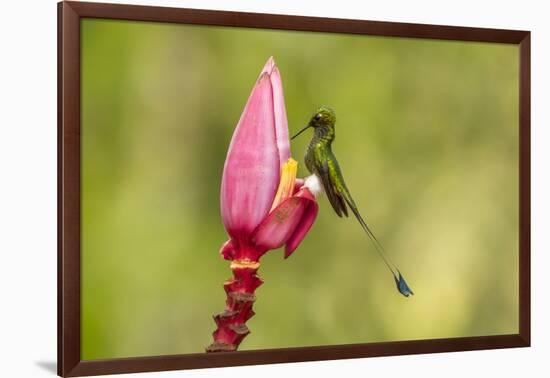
69	15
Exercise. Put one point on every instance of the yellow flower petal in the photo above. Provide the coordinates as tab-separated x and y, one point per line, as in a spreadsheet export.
286	183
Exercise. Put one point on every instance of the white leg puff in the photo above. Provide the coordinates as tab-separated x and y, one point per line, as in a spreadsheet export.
313	183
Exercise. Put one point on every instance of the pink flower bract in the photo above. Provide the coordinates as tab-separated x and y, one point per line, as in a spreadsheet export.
258	151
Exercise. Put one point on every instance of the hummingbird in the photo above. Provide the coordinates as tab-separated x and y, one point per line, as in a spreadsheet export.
321	162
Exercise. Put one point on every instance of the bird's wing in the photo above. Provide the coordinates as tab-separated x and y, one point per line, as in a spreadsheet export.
326	172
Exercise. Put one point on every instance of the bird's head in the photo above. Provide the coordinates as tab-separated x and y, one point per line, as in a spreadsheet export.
323	117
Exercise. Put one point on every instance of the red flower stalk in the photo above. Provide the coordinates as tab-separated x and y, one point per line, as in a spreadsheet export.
262	205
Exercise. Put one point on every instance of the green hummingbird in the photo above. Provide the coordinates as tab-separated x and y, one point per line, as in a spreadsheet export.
321	162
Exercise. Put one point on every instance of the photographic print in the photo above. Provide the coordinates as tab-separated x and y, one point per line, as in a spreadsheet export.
246	189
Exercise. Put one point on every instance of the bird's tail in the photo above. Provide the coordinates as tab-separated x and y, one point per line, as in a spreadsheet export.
398	277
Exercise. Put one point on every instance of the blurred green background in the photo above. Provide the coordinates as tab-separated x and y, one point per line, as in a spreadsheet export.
426	136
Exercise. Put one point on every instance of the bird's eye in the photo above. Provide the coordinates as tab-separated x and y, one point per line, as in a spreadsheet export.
318	117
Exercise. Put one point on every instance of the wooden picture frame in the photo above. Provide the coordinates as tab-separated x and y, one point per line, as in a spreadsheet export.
69	356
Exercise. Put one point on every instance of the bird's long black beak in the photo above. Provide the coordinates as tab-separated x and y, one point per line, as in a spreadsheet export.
301	131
